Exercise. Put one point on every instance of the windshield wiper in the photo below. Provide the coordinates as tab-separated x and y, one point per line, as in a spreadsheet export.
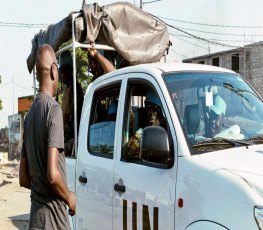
221	143
256	139
238	91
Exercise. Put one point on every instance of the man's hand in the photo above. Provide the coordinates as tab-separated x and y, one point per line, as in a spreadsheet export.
93	52
57	181
106	65
72	204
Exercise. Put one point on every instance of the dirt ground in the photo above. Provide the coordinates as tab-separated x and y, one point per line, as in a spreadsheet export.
14	200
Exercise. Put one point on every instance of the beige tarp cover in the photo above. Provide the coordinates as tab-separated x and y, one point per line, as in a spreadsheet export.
137	36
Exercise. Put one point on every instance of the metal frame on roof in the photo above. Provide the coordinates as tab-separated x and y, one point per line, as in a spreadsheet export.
74	44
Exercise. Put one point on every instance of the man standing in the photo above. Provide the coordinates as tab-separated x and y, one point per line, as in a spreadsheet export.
66	74
42	165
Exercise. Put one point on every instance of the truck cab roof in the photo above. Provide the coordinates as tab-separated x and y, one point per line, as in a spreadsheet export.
163	68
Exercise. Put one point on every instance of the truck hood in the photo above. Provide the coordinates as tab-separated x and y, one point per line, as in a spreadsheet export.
244	162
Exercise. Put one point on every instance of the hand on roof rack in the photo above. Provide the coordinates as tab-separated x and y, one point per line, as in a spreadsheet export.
93	52
103	66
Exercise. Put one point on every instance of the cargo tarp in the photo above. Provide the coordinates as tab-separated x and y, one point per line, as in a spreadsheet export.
137	36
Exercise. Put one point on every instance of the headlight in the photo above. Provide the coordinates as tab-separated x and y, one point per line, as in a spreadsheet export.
258	213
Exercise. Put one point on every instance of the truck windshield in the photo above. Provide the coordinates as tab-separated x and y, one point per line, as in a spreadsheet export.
216	110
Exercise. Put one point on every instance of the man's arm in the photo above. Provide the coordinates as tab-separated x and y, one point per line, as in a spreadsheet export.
106	65
24	177
56	180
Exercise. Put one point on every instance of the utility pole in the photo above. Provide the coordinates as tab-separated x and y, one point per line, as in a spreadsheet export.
244	62
11	128
244	58
13	97
34	81
143	3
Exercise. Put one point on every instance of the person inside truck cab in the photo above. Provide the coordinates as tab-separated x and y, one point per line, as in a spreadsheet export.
66	74
98	64
216	117
154	117
154	109
112	110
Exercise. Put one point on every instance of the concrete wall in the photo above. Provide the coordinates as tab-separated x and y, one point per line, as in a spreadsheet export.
250	63
256	60
3	158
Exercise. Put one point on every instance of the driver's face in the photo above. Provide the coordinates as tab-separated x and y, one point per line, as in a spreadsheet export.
215	124
152	114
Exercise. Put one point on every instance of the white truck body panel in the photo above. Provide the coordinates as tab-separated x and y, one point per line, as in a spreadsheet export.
216	190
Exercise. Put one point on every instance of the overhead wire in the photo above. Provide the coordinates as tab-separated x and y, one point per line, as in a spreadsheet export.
37	25
23	87
223	34
195	36
212	25
27	25
202	47
181	55
201	38
210	41
5	84
214	39
10	82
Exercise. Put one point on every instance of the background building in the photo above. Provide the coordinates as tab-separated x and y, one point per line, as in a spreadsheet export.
15	135
247	61
24	104
4	140
16	124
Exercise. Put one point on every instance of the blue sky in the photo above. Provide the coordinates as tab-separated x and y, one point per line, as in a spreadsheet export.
15	42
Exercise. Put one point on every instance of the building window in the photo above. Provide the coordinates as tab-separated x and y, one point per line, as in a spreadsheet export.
201	62
215	61
235	62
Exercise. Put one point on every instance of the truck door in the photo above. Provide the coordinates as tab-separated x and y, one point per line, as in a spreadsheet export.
96	157
144	193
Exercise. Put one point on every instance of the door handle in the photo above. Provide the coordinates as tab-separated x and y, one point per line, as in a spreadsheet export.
119	188
83	179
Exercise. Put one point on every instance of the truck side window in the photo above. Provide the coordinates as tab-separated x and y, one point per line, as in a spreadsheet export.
102	121
143	108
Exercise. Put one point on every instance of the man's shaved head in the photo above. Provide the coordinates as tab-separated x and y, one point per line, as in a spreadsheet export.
47	71
44	60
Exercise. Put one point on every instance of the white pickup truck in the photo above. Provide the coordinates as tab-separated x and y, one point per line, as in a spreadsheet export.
200	169
160	146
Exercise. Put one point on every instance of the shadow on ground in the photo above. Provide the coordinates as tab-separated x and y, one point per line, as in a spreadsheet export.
10	165
20	221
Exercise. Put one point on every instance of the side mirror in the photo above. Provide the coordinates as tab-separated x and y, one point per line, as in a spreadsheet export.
155	147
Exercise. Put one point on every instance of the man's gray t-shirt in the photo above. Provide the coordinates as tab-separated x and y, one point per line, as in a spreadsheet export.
43	129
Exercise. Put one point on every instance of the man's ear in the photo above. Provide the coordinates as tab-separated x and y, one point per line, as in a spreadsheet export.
53	72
